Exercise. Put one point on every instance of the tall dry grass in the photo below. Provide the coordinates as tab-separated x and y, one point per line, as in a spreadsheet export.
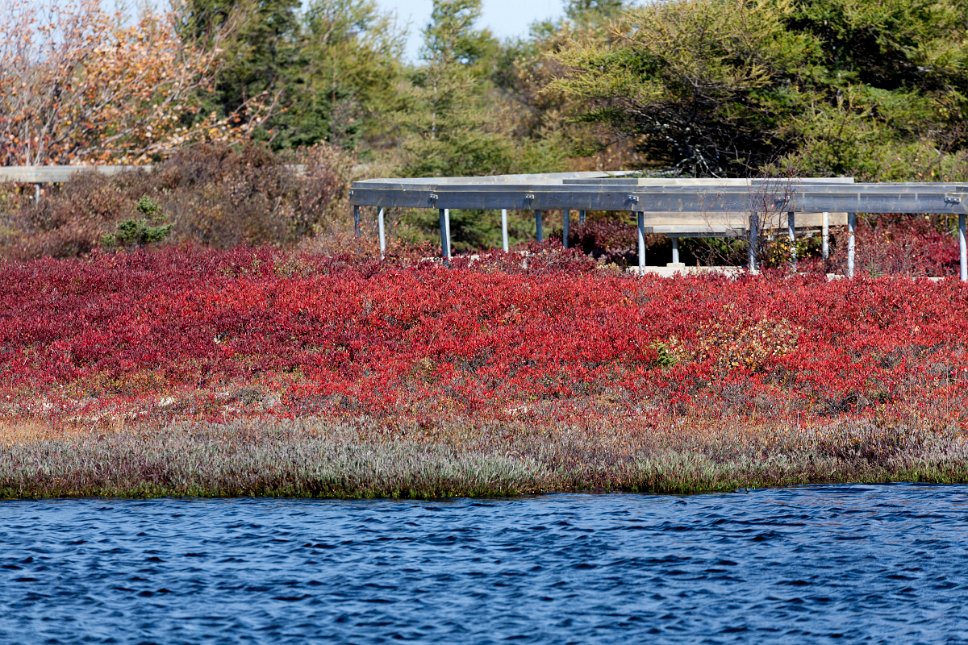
320	458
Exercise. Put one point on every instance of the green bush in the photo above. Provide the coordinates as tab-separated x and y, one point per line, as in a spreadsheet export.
150	229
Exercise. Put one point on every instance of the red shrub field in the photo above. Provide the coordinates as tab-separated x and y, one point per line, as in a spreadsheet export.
486	345
349	336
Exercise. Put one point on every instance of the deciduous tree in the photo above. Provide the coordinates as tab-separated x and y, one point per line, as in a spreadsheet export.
80	84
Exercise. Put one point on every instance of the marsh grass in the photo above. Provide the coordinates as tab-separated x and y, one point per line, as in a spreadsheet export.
314	457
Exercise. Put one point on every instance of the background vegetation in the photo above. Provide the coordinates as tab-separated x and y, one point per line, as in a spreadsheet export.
226	365
189	371
693	87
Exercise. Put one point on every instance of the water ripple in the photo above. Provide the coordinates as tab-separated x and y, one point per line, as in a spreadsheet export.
817	564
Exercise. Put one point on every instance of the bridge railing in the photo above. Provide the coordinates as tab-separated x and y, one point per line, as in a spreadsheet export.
669	206
38	176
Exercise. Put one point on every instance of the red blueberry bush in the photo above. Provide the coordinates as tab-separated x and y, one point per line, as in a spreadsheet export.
915	245
184	331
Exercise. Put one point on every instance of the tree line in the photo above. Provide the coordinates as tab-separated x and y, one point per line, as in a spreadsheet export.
696	87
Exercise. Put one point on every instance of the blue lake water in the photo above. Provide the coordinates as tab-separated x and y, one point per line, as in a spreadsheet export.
817	564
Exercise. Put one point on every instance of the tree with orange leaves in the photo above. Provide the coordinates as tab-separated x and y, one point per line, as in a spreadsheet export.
79	84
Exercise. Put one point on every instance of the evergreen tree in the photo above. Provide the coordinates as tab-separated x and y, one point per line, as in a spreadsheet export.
732	87
259	43
454	128
346	81
582	11
893	90
454	124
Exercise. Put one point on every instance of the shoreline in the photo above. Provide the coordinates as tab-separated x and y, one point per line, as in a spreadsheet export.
338	460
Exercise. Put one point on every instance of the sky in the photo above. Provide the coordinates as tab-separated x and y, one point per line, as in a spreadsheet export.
505	18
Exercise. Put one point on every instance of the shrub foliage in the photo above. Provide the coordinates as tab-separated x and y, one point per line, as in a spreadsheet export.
215	195
255	330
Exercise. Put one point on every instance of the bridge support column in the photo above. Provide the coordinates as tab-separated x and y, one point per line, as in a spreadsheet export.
356	221
640	227
675	250
963	246
581	216
754	238
450	250
450	253
565	226
445	235
825	237
539	226
504	229
383	234
791	233
851	242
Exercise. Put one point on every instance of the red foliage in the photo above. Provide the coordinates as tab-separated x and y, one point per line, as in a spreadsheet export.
911	245
204	332
611	238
